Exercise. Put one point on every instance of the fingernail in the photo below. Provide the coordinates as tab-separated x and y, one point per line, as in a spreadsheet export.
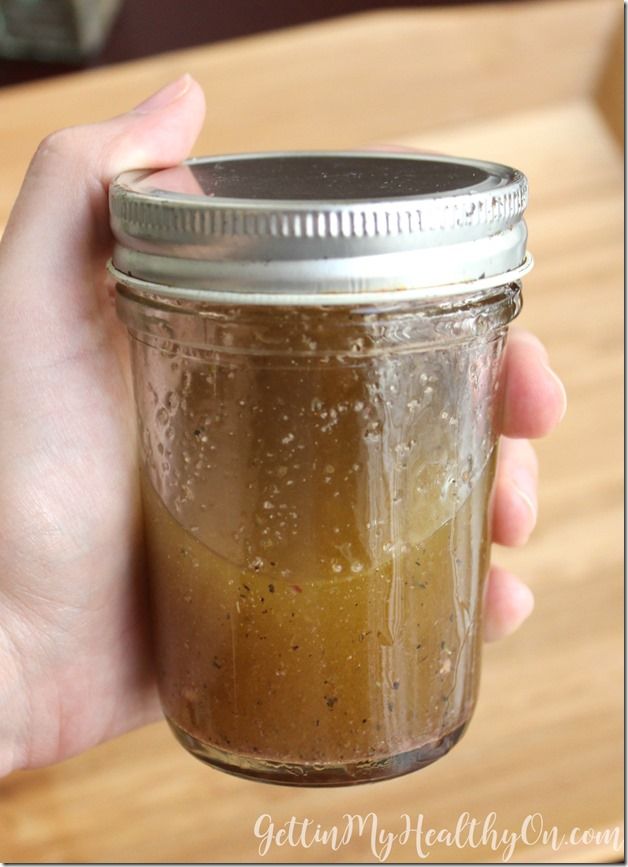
165	96
561	388
525	487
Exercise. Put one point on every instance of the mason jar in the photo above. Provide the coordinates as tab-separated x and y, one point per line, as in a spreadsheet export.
317	343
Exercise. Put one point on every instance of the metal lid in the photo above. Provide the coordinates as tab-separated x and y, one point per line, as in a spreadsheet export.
279	226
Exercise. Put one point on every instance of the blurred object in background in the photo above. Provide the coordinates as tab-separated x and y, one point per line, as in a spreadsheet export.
148	27
64	30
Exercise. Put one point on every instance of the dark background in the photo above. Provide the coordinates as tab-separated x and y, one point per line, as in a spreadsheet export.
146	27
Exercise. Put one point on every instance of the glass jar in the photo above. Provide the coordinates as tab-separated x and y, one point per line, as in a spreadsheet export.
317	342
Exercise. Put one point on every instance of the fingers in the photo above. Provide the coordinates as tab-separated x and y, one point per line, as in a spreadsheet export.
535	400
58	232
507	603
514	502
534	403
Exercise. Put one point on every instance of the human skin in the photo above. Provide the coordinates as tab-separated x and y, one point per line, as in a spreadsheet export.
75	661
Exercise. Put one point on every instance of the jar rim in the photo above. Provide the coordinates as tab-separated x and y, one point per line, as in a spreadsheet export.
320	299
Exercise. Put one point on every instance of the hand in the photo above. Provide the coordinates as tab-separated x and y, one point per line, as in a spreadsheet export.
74	654
534	403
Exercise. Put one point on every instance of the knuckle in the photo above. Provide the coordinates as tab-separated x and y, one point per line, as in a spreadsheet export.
61	144
529	457
518	452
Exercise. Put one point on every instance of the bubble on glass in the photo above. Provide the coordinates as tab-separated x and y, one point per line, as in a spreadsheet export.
171	401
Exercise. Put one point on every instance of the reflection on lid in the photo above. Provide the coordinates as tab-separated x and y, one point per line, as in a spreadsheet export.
319	177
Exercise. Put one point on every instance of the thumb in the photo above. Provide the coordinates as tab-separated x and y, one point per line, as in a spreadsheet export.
53	250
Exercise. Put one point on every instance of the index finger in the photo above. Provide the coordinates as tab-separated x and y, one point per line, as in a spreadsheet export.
534	397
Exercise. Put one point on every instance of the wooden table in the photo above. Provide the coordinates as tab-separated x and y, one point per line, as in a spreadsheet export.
536	85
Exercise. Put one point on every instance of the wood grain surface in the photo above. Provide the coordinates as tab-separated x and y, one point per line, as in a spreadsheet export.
530	85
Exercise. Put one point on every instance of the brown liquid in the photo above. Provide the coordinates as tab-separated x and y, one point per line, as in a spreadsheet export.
317	544
340	668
